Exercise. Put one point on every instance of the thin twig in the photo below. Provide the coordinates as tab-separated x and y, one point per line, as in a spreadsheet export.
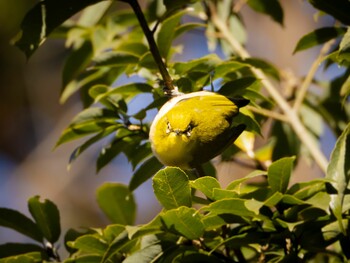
152	46
310	75
293	118
267	113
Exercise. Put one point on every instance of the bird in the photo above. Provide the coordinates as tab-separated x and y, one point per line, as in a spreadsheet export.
191	129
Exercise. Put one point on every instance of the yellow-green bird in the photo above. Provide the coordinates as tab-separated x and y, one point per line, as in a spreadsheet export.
193	128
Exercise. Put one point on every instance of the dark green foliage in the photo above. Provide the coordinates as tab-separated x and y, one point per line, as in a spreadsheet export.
262	217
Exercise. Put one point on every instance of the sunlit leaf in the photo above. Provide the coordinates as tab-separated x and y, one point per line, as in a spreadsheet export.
278	174
206	185
185	221
338	172
90	244
172	188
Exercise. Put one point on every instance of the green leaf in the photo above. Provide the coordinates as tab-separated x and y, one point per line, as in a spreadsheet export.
236	184
172	188
117	202
93	14
84	259
146	170
13	249
338	172
129	91
186	27
236	87
153	227
318	36
185	221
115	59
112	231
111	151
166	33
337	8
344	47
19	222
78	59
271	8
173	5
233	206
90	244
206	185
200	64
40	21
88	121
118	243
32	257
147	254
306	190
278	174
286	141
47	217
79	150
265	66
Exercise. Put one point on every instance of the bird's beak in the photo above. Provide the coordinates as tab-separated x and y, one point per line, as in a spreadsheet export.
177	131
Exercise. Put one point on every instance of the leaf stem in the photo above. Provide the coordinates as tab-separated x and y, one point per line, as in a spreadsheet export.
169	86
288	111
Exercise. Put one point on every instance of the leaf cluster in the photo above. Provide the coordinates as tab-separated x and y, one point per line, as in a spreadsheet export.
258	218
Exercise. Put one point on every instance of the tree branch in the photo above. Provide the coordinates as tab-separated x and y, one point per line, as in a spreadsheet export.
169	86
309	77
288	111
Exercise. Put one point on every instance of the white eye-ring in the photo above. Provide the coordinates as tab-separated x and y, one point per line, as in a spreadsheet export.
189	131
168	129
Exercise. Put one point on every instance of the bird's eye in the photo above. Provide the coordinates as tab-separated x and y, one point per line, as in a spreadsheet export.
168	128
189	130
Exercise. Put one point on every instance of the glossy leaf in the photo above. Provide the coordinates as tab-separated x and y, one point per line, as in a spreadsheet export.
305	190
338	172
47	218
172	188
117	202
146	170
278	174
206	185
166	33
234	206
319	36
40	21
15	220
90	244
271	8
185	221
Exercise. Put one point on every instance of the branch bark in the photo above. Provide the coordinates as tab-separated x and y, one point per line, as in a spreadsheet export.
287	110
